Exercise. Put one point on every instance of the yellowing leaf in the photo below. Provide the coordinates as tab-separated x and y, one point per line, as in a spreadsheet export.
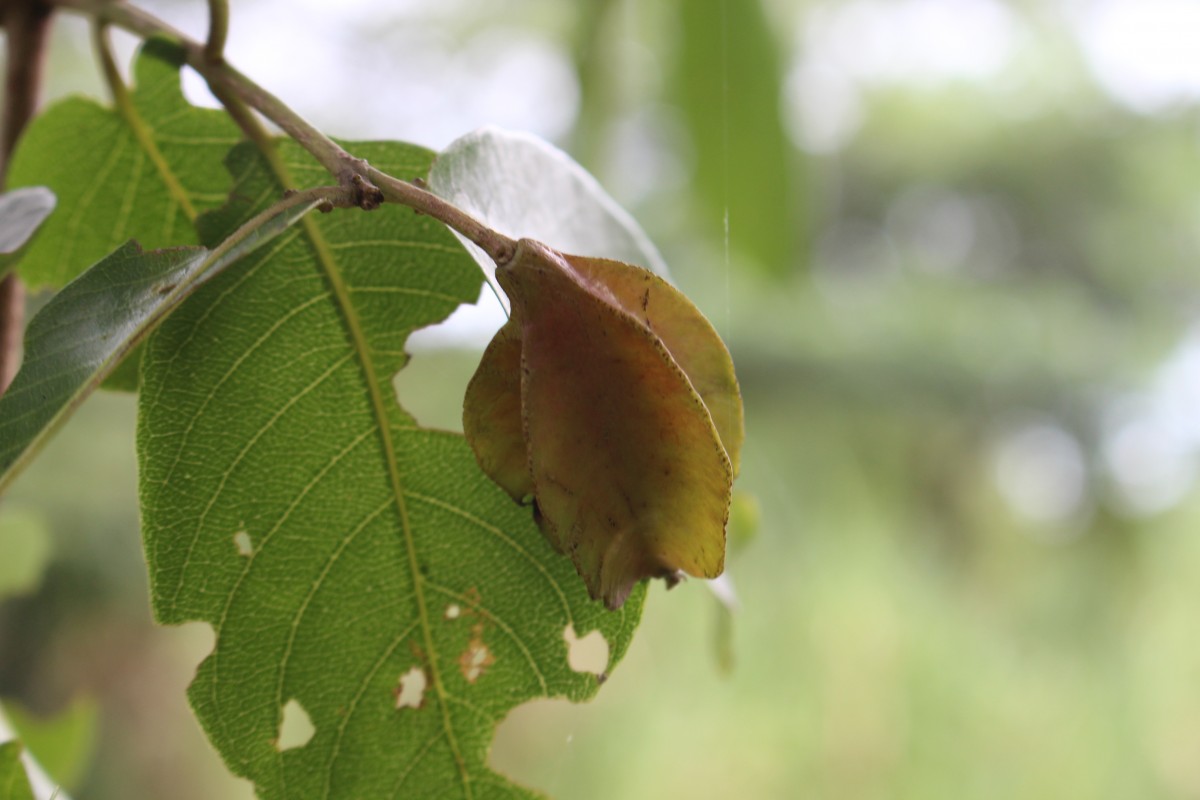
610	399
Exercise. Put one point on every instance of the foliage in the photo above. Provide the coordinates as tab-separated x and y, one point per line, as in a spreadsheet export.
374	549
366	584
970	378
152	168
14	783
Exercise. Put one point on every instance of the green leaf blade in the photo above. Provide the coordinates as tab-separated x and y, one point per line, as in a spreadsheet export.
89	328
109	189
77	338
14	783
335	547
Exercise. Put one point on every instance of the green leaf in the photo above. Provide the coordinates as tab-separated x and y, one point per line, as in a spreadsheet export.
22	211
62	744
110	186
729	78
14	783
344	555
525	187
24	549
85	331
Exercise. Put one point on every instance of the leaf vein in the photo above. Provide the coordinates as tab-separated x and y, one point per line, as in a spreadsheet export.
504	537
501	624
354	703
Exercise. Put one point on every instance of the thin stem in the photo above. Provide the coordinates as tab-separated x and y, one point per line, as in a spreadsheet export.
26	24
372	185
218	29
498	246
326	197
256	133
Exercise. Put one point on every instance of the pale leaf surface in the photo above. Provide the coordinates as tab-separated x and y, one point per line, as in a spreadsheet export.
526	187
22	211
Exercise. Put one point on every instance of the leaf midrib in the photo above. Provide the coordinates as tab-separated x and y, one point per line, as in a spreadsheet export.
341	293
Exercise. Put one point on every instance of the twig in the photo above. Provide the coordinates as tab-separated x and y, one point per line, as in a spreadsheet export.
218	29
371	185
327	198
26	24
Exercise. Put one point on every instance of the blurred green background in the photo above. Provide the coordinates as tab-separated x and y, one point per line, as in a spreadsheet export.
951	244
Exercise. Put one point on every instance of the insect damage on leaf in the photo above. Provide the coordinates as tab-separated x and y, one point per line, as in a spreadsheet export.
410	689
610	400
476	659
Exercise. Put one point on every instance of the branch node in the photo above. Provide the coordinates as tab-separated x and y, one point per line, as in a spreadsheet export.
505	252
367	195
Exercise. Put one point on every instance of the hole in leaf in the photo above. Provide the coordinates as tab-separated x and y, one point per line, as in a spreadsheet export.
588	653
192	640
452	611
296	728
243	543
410	692
431	385
533	744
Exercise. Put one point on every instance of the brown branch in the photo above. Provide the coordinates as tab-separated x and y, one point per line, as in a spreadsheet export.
26	25
371	185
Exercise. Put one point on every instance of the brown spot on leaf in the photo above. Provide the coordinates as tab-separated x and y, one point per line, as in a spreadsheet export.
476	659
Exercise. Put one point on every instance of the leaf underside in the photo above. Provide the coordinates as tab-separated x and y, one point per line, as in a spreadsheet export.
525	187
109	187
88	329
22	211
77	339
334	546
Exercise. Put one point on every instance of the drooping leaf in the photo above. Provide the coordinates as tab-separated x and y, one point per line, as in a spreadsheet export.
110	187
85	331
689	337
22	212
14	783
619	400
526	187
729	78
360	573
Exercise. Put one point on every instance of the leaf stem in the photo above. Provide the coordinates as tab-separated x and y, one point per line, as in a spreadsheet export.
326	197
218	29
371	185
